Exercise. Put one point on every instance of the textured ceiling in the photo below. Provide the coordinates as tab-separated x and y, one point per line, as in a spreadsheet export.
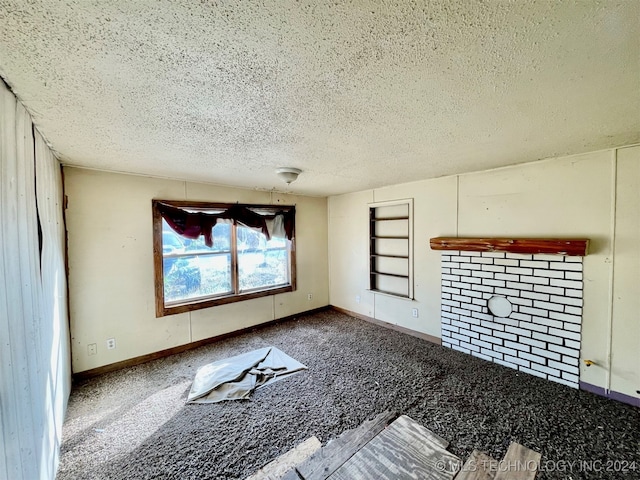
358	94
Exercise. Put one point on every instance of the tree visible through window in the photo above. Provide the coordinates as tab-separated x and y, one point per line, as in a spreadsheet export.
241	263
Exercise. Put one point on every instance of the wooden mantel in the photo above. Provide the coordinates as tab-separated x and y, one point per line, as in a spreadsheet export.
552	246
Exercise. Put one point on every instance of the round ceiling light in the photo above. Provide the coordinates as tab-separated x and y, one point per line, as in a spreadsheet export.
288	174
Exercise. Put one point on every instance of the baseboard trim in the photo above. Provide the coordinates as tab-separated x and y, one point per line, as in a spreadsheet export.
390	326
131	362
620	397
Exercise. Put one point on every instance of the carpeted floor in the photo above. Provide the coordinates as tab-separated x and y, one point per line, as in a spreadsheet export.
134	424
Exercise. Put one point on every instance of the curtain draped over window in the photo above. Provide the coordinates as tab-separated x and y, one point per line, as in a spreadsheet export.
193	224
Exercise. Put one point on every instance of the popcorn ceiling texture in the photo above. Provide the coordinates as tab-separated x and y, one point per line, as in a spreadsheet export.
358	94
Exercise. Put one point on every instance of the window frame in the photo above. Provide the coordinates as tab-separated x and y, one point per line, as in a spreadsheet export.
162	309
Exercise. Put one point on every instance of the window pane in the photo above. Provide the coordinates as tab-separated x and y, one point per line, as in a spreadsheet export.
174	243
193	276
261	263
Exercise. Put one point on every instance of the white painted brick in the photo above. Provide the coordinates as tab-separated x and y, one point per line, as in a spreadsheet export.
547	322
533	343
547	338
519	256
445	320
573	259
445	270
471	293
507	321
573	276
484	260
487	295
472	280
573	310
470	320
507	276
504	350
505	364
462	338
506	336
548	257
461	298
471	254
493	268
569	377
469	306
521	317
572	344
481	274
457	323
506	262
491	353
535	280
461	285
460	349
493	325
570	360
461	311
448	328
474	266
450	264
565	317
506	291
491	339
520	285
482	316
459	258
555	282
563	367
446	296
521	301
548	289
576	302
493	283
481	343
564	334
446	308
480	355
533	372
446	283
564	382
518	331
469	333
453	341
517	346
533	311
576	267
519	271
451	290
468	346
517	361
483	288
547	370
548	273
573	293
535	296
534	327
493	254
531	358
573	327
565	351
534	264
446	257
462	273
445	344
452	316
451	303
480	301
545	353
546	305
453	278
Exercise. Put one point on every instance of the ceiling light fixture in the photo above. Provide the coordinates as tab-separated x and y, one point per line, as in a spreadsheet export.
288	174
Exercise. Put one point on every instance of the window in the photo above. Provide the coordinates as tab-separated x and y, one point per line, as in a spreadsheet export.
391	248
208	254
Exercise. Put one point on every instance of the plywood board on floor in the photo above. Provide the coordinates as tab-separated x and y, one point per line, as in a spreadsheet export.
519	463
277	469
479	466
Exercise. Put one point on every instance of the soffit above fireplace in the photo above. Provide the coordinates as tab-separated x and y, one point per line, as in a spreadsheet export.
550	246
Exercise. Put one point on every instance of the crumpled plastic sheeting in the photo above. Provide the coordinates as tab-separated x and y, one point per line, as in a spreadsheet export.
237	377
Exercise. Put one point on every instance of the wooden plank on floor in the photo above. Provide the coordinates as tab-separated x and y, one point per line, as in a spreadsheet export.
479	466
286	462
327	460
403	450
520	463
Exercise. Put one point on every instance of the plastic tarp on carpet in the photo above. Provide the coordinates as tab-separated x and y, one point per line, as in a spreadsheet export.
236	377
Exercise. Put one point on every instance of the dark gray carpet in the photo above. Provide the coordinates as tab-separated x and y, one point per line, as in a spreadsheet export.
134	423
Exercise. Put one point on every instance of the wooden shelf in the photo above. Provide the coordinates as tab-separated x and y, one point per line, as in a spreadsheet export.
551	246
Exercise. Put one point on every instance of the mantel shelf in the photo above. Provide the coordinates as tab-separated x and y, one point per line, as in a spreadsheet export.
552	246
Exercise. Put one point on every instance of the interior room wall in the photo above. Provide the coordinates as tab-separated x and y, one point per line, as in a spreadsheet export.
111	278
35	377
592	195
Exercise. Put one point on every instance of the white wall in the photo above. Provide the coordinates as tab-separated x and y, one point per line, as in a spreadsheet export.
571	196
35	378
111	278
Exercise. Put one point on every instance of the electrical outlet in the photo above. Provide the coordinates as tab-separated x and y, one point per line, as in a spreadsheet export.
357	298
92	349
310	296
414	313
111	343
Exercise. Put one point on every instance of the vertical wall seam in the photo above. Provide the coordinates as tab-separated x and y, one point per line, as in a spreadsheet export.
614	199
